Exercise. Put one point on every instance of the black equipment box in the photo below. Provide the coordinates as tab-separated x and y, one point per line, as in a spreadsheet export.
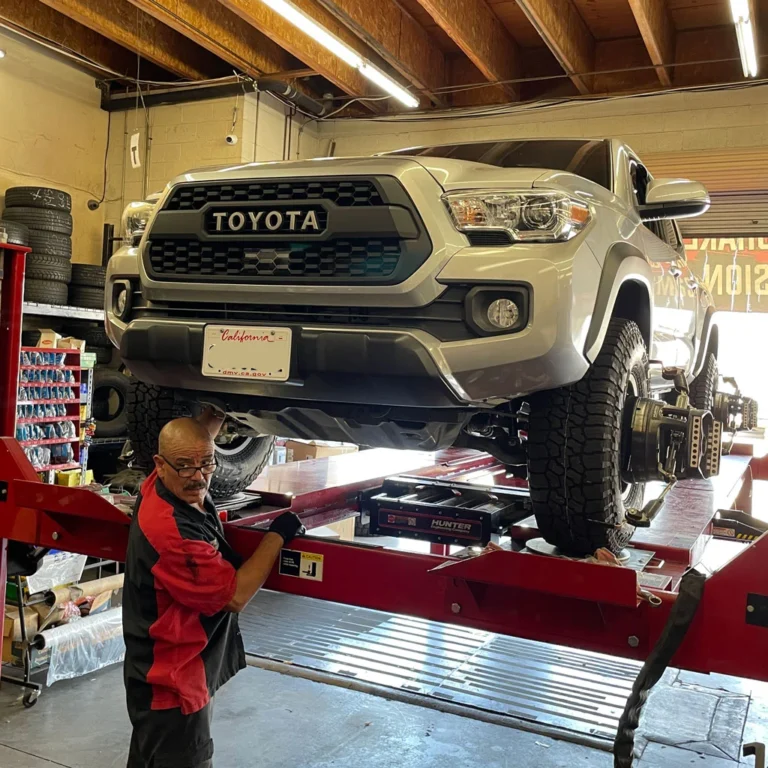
444	512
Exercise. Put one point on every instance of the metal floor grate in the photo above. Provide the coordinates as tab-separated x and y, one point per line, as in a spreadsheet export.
561	687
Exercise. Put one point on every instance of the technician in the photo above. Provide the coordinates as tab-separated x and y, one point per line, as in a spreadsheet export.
184	586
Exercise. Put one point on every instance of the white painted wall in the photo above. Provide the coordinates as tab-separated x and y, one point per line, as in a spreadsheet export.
193	135
53	133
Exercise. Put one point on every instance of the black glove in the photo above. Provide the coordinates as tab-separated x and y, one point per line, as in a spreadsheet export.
287	525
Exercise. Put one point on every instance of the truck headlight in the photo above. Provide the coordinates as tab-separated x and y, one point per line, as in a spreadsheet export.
135	218
537	217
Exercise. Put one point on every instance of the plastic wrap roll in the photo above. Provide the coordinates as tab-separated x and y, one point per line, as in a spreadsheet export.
83	646
61	595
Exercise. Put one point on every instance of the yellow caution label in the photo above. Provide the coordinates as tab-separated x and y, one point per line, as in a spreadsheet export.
301	565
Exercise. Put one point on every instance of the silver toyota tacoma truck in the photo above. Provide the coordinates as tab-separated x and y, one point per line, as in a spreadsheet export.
509	296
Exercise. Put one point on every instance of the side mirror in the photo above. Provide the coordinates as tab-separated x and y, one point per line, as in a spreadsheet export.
674	199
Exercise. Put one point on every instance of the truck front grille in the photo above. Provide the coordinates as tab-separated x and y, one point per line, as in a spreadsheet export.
337	230
342	192
340	259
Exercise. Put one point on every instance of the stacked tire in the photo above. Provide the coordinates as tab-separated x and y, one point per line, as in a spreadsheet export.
46	213
86	287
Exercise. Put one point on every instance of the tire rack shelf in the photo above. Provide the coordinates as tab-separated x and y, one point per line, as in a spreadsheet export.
73	414
63	310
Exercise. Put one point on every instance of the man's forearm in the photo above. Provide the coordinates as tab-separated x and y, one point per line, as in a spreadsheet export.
254	572
212	419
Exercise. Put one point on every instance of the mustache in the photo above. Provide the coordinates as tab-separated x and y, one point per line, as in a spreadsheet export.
198	485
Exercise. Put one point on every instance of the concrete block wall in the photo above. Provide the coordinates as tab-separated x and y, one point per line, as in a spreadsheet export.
192	135
717	120
53	133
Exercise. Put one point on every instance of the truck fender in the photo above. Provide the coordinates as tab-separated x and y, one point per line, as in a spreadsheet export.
710	336
626	273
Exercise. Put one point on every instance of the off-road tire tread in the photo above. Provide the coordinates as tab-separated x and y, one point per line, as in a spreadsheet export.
149	408
702	389
574	450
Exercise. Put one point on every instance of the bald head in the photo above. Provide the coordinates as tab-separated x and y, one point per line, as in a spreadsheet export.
185	444
180	434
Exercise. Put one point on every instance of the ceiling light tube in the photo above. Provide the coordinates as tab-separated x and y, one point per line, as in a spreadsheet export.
745	32
332	43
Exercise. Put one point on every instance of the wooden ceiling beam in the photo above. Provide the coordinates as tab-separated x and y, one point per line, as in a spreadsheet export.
476	29
218	30
563	30
395	36
658	32
307	50
45	23
130	27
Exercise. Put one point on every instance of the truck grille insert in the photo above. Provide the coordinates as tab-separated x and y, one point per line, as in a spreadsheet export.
343	192
340	259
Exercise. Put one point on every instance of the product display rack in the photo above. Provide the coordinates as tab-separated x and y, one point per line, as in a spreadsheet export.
71	414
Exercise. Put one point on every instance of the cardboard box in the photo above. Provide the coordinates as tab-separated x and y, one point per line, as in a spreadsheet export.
48	338
298	450
70	342
71	477
12	624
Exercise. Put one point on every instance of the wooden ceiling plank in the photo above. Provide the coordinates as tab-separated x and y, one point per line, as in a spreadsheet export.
658	32
130	27
564	31
395	36
217	29
481	36
46	23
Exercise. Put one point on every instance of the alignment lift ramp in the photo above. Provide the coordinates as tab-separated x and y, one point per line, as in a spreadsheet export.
698	573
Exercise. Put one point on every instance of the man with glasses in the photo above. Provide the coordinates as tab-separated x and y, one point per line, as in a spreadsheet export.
184	586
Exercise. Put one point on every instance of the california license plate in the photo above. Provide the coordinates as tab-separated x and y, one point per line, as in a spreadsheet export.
247	352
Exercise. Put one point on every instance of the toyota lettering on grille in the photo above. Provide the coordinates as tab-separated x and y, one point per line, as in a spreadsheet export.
266	221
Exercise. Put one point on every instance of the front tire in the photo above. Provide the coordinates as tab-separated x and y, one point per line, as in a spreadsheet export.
575	449
703	388
150	408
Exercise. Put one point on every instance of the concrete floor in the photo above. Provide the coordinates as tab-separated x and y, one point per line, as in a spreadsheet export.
268	720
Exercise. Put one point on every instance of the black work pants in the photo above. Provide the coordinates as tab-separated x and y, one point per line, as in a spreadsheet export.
165	738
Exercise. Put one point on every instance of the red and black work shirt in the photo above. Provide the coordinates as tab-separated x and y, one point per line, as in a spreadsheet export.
181	644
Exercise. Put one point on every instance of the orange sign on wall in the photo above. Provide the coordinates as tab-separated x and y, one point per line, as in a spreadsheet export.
734	269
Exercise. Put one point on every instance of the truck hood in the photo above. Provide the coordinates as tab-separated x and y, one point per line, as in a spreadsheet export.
449	174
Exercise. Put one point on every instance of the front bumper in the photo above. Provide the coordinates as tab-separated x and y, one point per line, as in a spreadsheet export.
390	366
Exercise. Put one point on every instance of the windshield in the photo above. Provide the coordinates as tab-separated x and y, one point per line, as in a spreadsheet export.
589	159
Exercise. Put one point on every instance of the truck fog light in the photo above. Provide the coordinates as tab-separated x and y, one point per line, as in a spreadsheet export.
121	302
503	314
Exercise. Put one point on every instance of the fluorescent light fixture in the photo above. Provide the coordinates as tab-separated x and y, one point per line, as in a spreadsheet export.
745	32
332	43
2	53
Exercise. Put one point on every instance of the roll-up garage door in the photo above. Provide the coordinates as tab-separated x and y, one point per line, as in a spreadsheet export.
732	213
737	180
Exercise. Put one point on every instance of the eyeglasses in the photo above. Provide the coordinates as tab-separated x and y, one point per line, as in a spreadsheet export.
188	472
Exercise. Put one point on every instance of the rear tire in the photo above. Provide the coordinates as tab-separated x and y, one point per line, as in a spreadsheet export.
150	408
703	387
110	390
574	449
